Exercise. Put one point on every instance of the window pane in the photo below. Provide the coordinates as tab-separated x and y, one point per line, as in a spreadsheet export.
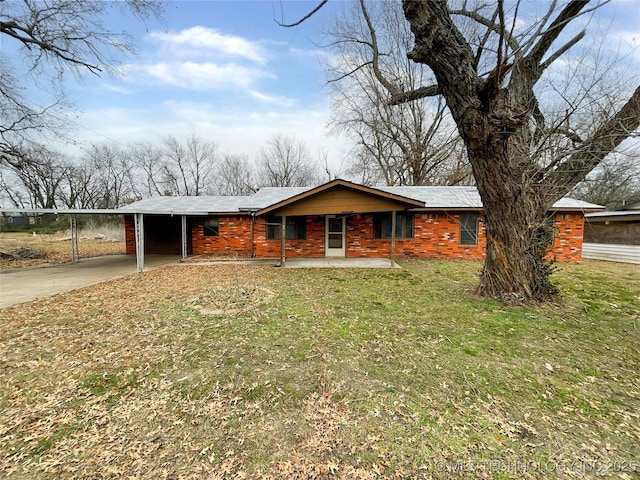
211	227
408	229
335	240
335	225
377	226
296	228
469	229
387	226
273	228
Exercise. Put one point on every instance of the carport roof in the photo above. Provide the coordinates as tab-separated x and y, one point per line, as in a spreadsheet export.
203	205
62	211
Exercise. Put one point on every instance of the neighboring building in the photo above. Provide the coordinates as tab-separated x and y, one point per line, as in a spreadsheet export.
19	221
337	219
613	235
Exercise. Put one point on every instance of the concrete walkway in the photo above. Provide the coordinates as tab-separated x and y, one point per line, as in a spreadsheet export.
18	285
329	262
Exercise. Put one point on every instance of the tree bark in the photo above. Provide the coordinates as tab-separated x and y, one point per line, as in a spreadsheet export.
490	120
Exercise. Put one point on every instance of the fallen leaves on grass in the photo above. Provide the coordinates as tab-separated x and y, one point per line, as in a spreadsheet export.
125	379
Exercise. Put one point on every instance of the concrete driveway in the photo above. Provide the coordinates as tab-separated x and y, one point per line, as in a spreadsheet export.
25	284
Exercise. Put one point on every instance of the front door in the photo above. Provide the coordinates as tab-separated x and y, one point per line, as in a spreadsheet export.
335	237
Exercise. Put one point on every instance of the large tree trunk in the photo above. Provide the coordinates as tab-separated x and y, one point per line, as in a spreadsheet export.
515	268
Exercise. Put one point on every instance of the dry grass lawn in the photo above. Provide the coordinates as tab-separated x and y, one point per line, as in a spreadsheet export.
356	374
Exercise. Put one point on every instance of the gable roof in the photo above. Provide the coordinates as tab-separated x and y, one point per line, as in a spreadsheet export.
466	197
355	187
272	198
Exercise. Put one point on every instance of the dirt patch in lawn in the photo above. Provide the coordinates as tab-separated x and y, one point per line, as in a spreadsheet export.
230	300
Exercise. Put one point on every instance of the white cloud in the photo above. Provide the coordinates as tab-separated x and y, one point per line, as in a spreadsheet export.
199	59
198	76
201	41
279	100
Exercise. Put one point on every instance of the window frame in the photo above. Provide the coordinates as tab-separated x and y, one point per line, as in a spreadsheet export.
405	226
296	228
472	239
214	231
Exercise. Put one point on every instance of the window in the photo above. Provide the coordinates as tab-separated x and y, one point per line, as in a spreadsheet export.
547	231
296	228
382	225
469	229
211	227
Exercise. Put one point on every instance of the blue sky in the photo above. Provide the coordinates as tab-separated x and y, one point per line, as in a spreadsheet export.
225	71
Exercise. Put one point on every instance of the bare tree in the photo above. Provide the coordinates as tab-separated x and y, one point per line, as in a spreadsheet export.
235	176
148	160
189	168
79	188
492	68
410	144
613	182
37	180
113	175
54	38
286	162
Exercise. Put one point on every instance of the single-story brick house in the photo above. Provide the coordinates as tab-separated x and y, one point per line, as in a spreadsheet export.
337	219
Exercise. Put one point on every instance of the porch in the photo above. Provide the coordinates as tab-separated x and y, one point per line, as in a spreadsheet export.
336	262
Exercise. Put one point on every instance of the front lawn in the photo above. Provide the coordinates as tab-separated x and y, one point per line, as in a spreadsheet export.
239	371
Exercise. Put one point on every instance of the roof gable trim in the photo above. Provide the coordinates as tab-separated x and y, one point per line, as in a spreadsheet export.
409	202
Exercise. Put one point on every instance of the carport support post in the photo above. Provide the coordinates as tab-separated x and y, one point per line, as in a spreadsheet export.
139	227
75	256
283	238
184	237
393	237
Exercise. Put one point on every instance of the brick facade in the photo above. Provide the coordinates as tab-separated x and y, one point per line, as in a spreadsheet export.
569	230
129	235
234	237
436	235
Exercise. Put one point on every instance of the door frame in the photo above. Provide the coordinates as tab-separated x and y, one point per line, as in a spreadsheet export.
335	252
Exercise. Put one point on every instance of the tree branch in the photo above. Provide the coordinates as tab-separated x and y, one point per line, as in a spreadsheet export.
306	17
594	150
543	66
571	10
422	92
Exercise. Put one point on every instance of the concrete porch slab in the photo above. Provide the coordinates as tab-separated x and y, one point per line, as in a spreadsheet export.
339	263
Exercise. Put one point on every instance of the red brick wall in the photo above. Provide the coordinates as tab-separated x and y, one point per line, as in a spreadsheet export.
312	246
436	235
234	237
567	244
129	235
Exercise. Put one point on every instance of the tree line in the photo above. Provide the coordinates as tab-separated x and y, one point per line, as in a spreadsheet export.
109	175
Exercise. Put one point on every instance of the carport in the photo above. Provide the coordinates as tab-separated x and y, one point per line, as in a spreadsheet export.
168	230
